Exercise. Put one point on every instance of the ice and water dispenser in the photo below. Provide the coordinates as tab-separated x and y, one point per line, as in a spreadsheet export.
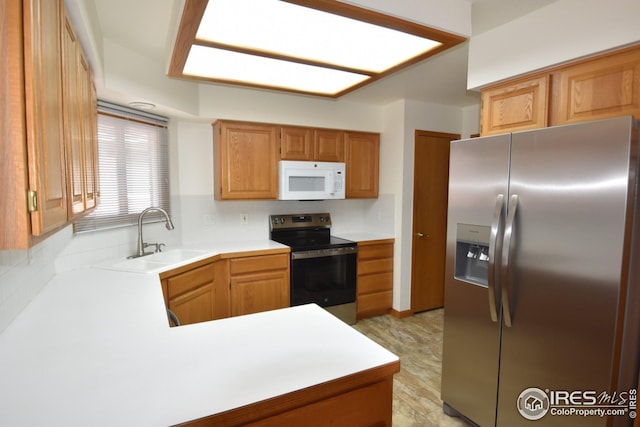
472	253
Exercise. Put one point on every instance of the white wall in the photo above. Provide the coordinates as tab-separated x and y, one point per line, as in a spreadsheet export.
562	31
401	120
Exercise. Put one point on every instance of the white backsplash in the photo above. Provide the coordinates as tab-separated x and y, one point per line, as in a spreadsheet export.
24	273
205	220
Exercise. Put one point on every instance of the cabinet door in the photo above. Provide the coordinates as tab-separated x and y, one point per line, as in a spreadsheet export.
245	161
88	119
197	295
296	143
14	217
259	283
362	157
253	293
518	105
600	88
72	98
43	93
328	145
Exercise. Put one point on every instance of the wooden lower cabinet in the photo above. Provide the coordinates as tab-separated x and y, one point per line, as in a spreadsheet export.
197	292
358	400
258	283
375	277
224	286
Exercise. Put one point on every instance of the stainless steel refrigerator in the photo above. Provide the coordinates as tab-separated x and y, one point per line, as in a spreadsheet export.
542	292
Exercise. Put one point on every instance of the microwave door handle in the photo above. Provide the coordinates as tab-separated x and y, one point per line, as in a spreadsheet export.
331	183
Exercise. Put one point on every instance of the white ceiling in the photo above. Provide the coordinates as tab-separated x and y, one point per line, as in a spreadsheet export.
146	26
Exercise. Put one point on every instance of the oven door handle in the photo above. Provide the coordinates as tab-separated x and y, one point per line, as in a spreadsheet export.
318	253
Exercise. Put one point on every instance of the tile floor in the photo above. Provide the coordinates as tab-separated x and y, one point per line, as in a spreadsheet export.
417	340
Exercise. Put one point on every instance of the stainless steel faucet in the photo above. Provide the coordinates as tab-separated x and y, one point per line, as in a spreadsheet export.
141	245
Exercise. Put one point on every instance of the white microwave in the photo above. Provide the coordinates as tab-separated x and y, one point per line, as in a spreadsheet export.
311	180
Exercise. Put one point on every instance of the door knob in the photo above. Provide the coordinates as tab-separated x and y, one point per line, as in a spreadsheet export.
419	234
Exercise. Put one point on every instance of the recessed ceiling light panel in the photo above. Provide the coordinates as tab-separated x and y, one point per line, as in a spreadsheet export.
237	67
320	47
299	32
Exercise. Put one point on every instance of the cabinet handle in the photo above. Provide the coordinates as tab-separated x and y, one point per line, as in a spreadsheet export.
32	200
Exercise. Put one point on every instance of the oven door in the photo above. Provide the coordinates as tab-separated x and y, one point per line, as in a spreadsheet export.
326	277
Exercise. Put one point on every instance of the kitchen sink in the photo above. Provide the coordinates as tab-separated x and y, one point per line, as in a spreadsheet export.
174	255
154	263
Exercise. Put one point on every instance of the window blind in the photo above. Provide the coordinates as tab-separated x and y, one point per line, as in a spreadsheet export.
133	159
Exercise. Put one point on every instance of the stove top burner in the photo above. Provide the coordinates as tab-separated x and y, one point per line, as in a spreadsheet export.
305	231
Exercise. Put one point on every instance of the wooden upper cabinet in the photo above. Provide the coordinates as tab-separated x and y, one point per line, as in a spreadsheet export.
599	87
245	160
15	224
362	158
42	148
517	105
80	125
328	145
72	99
296	143
89	123
246	157
44	118
604	87
322	145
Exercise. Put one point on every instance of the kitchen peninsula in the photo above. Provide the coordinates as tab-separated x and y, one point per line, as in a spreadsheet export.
97	349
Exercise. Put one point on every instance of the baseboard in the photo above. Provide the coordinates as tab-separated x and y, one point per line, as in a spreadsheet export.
400	314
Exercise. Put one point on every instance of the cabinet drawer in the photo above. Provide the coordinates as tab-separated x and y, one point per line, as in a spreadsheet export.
190	280
375	251
258	263
375	283
375	266
376	303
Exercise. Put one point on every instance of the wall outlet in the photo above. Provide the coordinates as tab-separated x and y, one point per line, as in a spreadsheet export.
209	219
244	218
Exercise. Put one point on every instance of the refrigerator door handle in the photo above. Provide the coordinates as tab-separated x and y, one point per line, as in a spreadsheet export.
507	257
493	281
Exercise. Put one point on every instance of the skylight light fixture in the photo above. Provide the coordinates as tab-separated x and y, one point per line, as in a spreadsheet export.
321	47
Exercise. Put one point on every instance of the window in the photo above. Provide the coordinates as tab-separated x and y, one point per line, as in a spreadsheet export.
133	159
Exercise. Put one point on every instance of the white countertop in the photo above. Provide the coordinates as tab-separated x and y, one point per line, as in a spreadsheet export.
94	348
164	261
363	237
